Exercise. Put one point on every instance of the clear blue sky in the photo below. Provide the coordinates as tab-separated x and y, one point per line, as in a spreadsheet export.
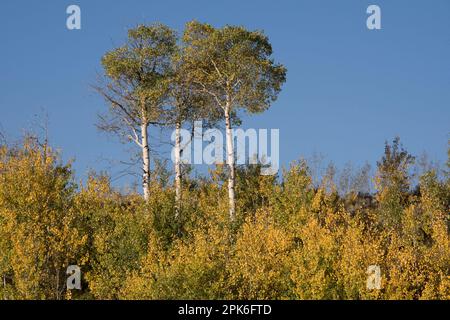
348	89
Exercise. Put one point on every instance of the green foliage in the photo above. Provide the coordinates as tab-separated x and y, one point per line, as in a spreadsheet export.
234	62
117	227
136	82
393	183
138	72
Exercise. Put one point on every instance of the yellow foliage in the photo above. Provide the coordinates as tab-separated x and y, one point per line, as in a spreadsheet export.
289	241
259	266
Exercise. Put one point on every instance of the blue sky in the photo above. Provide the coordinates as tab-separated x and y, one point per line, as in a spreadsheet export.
348	88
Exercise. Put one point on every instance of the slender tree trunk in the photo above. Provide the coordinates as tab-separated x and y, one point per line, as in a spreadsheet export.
230	161
57	286
177	169
145	160
4	288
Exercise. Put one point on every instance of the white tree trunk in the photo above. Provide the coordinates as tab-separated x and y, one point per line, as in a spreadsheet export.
177	169
230	161
145	160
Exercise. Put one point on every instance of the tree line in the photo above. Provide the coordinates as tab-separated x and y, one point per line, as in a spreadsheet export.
291	238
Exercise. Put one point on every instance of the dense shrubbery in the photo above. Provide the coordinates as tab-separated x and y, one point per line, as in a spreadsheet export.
291	239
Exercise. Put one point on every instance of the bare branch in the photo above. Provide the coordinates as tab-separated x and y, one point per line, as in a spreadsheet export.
134	137
115	103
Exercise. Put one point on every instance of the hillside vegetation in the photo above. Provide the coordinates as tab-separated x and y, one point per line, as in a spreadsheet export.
291	239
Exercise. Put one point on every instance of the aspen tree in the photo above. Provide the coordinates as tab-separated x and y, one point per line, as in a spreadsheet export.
235	68
136	87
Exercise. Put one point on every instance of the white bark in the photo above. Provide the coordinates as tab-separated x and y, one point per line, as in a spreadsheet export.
230	161
145	159
177	169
